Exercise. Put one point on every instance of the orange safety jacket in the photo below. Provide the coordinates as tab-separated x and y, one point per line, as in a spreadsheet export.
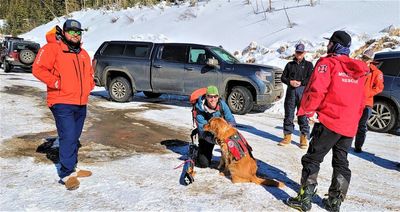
72	71
373	84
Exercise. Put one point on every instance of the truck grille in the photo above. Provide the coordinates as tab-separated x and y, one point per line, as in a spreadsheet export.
277	79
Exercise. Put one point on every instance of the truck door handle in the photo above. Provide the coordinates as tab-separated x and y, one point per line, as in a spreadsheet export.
157	66
189	68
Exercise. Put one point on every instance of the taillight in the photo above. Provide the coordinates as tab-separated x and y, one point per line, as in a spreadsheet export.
13	55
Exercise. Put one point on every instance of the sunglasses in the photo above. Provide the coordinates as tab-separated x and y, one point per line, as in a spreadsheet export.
73	32
212	96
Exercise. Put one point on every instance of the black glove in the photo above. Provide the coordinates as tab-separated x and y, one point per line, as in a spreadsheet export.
209	137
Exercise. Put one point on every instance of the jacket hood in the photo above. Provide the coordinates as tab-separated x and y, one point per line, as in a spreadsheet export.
353	68
199	104
51	36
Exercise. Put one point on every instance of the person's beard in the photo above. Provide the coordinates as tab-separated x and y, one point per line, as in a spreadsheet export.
332	49
73	46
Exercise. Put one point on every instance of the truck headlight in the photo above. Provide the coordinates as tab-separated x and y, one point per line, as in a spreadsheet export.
263	75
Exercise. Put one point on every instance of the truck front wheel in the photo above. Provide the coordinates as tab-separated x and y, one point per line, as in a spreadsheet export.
240	100
120	89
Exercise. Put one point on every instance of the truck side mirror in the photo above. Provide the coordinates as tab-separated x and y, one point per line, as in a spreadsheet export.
213	62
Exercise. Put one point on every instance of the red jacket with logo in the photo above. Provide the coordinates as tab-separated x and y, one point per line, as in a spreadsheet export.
336	93
373	84
73	71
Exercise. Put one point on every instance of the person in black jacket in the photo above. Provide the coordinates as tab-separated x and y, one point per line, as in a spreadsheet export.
295	75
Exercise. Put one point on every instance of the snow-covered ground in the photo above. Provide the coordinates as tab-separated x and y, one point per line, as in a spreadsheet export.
149	181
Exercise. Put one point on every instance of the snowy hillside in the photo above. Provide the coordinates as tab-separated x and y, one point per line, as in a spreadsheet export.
234	24
133	148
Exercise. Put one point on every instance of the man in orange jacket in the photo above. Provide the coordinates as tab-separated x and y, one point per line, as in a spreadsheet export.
67	71
373	85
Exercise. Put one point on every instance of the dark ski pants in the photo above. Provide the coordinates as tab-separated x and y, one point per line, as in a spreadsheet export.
362	128
323	140
204	155
292	101
69	121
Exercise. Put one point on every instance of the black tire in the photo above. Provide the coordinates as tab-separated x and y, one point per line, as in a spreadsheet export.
7	67
383	117
27	56
120	90
149	94
240	100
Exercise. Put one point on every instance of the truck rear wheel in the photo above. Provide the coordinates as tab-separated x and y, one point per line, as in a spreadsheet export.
120	89
240	100
149	94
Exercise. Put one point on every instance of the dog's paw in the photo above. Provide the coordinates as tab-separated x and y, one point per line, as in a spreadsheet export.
225	173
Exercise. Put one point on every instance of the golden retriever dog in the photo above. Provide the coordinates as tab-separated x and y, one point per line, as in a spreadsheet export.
243	170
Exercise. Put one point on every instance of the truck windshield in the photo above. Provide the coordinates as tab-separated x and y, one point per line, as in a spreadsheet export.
224	55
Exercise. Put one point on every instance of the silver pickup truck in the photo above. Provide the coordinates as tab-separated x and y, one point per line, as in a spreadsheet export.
126	67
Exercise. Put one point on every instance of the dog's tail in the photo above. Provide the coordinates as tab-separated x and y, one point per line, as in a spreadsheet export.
267	182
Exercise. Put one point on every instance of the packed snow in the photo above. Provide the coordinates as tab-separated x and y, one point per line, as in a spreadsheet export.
149	181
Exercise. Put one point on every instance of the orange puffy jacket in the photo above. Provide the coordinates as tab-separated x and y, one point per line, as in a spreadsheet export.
73	71
373	84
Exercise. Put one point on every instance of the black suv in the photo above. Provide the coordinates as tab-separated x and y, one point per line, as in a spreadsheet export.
386	110
17	52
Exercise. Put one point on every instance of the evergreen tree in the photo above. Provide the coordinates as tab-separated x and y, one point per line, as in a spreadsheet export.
24	15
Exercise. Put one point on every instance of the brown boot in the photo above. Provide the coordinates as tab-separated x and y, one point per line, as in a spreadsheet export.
286	140
71	182
303	141
83	173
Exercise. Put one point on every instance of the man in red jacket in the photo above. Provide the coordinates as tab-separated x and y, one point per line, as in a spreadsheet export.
373	85
67	71
333	100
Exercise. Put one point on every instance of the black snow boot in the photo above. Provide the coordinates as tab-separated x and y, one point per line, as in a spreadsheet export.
332	203
303	200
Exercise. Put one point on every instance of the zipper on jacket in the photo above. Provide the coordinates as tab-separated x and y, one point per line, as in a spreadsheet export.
79	78
80	75
83	64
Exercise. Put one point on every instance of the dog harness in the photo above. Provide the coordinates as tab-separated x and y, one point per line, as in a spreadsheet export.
238	146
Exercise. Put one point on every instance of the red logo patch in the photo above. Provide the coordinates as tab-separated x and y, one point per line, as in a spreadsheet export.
231	144
322	68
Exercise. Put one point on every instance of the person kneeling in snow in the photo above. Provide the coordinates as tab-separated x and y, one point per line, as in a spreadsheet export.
207	107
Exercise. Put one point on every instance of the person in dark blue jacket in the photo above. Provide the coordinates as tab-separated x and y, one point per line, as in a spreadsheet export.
207	107
296	75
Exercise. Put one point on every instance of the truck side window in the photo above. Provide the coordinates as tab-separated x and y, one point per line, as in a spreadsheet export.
137	50
174	53
114	49
198	56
